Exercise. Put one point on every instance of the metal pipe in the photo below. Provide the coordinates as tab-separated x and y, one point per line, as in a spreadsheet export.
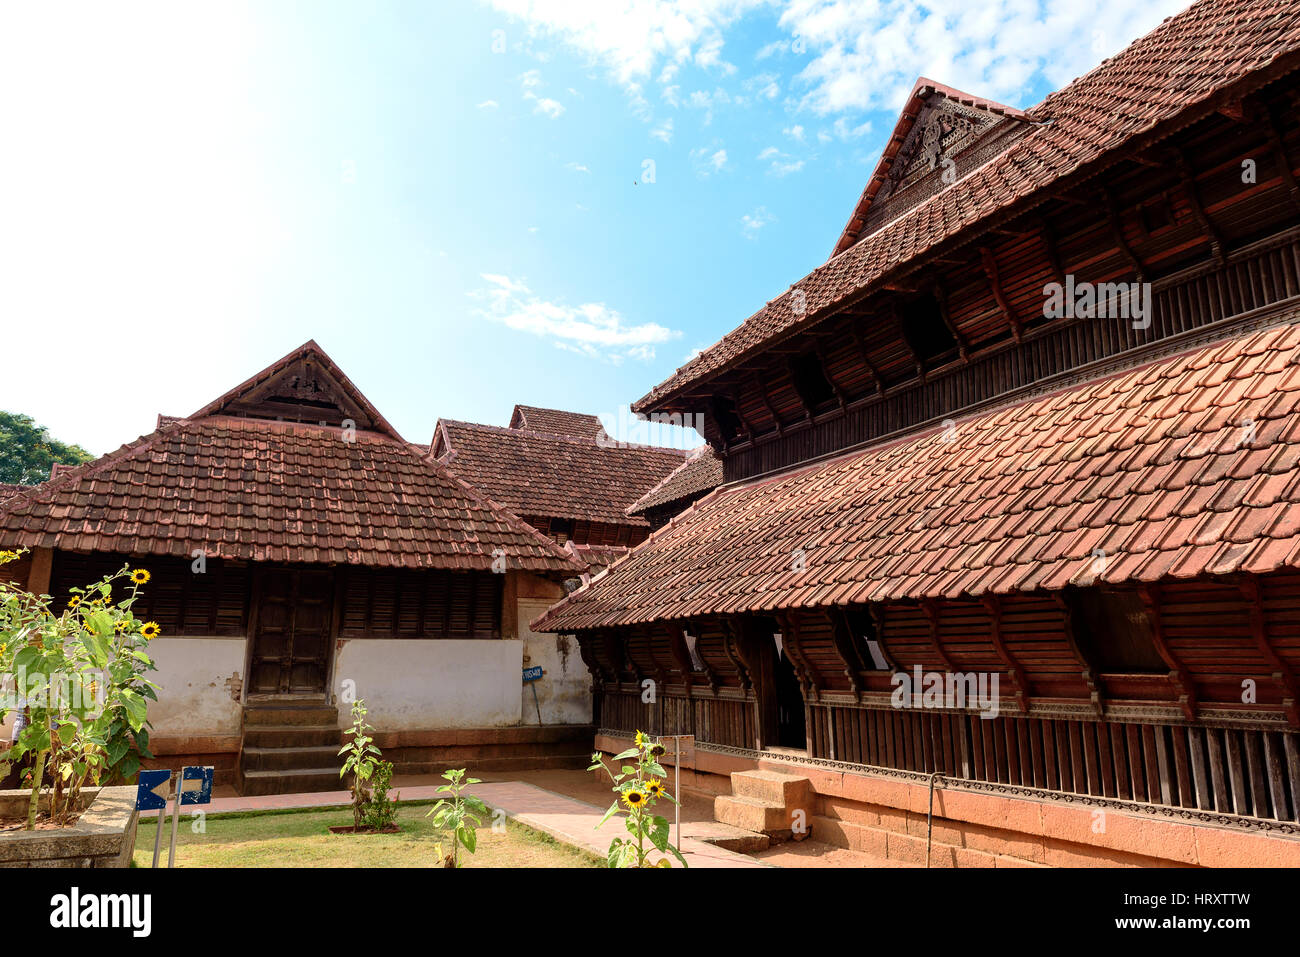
929	818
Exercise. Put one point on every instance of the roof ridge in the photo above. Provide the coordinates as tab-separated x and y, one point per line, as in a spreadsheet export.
611	443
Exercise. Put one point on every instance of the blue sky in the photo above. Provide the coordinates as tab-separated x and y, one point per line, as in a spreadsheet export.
454	198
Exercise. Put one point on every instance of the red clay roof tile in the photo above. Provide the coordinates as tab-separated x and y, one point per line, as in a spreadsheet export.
918	517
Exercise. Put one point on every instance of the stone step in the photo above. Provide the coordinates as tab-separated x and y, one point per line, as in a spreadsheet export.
774	787
297	780
311	715
751	814
292	736
289	759
727	837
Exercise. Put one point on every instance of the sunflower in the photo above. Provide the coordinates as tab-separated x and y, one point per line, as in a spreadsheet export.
655	788
74	601
657	750
150	630
121	626
634	798
642	739
140	576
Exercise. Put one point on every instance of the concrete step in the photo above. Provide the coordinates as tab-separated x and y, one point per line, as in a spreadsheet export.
774	787
311	715
292	736
727	837
751	814
292	781
289	759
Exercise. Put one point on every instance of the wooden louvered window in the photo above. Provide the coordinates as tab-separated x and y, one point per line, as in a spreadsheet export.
213	603
382	603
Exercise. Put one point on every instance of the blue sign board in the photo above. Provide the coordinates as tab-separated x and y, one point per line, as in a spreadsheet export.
196	785
151	792
533	674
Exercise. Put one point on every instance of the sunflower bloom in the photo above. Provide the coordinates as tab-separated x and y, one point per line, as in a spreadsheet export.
657	750
140	576
634	798
74	601
641	739
150	630
654	788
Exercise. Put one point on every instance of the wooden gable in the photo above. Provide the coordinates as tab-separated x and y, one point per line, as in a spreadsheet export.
305	386
941	135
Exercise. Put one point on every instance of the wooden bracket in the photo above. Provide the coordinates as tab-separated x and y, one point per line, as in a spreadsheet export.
1282	676
1187	693
994	607
995	284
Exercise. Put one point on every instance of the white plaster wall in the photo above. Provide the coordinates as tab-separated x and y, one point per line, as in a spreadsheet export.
422	684
194	679
564	690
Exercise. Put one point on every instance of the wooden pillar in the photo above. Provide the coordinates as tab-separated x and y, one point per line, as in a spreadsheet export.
38	579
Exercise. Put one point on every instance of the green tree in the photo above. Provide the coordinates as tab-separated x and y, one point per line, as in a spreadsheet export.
27	451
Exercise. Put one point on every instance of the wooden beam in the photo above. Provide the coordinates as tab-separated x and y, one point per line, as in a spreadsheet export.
1187	693
931	610
756	386
993	605
805	669
1188	178
840	397
842	639
1053	253
1279	153
1088	671
941	297
990	264
866	357
1282	676
794	383
1117	231
734	396
902	337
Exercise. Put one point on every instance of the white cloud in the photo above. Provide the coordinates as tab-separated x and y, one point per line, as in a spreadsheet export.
795	132
488	105
867	54
751	223
531	81
631	38
664	131
782	164
709	159
577	167
592	329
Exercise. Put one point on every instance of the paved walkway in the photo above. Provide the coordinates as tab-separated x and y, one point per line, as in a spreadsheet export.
574	822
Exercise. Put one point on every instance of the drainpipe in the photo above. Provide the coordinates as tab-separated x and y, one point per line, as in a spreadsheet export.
929	817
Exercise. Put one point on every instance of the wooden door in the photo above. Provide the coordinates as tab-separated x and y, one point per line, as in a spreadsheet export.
291	639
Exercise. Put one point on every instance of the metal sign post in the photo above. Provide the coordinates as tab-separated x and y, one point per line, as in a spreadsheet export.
194	787
151	794
531	677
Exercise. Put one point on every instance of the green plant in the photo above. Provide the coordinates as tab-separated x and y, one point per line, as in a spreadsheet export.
638	788
381	811
363	758
460	815
80	675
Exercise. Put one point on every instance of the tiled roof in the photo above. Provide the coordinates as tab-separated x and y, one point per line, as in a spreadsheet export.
1184	62
1158	468
262	490
701	472
555	476
556	422
7	490
596	557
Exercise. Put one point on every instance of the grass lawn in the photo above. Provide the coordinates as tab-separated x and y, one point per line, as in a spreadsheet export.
302	839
